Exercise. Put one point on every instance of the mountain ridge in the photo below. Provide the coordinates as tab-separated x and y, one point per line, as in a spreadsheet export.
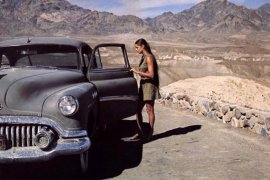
215	16
28	17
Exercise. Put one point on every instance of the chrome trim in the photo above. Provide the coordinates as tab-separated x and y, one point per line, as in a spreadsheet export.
119	98
31	154
43	121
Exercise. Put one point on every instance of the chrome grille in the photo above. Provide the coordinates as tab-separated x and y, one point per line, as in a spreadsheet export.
20	135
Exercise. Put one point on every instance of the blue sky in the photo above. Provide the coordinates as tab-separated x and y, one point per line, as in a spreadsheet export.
151	8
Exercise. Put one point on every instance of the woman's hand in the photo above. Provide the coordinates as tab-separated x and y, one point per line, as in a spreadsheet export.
135	71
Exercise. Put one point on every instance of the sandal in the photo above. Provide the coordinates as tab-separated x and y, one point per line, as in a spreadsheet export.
137	136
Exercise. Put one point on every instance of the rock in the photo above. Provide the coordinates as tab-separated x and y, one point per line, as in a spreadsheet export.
168	95
188	99
204	112
248	114
264	133
219	115
244	121
217	106
252	121
195	102
261	119
203	106
238	123
258	128
235	122
186	104
241	123
227	118
238	113
243	111
267	123
225	109
180	96
212	106
232	107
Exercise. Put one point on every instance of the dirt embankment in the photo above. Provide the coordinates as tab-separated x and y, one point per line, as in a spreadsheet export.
229	89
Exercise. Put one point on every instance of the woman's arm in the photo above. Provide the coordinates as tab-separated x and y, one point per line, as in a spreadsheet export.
150	66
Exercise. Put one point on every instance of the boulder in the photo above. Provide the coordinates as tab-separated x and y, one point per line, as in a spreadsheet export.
225	109
252	121
238	113
267	123
228	116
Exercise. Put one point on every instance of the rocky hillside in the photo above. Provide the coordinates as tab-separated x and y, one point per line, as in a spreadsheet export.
265	8
214	16
19	17
28	17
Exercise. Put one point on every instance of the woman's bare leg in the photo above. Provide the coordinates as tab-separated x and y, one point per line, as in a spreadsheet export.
151	115
140	118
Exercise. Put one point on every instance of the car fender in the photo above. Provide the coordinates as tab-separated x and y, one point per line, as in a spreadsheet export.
86	95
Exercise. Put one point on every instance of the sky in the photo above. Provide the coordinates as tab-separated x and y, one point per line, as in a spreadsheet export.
151	8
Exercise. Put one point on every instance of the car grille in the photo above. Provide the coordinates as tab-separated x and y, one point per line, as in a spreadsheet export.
20	135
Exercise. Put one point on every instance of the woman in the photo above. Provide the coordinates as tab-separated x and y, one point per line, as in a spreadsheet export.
149	86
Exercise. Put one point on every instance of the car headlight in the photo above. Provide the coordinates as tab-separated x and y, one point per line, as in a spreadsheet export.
68	105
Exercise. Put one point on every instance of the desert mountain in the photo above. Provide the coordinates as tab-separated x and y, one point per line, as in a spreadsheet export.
28	17
24	17
215	16
265	8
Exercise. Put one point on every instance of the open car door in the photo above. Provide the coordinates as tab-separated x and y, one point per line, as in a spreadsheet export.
109	71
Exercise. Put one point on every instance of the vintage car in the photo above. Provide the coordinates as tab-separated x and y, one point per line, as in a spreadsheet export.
55	92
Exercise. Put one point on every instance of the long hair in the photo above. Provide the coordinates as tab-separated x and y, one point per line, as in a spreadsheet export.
147	47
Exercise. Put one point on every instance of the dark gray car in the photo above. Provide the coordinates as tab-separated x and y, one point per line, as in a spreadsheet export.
55	92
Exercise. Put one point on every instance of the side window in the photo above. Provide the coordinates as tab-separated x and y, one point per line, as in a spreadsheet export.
109	57
86	53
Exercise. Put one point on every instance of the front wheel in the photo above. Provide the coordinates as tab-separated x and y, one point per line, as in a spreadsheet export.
84	161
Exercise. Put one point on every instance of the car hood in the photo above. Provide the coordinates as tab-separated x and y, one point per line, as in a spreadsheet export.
24	90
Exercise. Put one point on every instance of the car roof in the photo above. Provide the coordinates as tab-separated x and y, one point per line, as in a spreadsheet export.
42	41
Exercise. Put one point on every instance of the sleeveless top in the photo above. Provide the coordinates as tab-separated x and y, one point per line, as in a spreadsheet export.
148	91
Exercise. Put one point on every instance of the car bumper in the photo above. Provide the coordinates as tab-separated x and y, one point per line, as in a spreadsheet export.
32	154
68	142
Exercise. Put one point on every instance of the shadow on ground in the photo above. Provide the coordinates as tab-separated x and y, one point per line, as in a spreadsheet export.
109	156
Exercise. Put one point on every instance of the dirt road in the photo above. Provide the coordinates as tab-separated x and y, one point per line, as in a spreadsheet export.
192	147
185	146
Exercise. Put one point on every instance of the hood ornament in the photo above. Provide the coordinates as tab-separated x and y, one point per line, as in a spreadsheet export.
28	40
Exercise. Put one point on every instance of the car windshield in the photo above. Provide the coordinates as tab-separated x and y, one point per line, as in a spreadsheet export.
61	56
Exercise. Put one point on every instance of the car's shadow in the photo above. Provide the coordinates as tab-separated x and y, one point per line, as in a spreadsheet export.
109	156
